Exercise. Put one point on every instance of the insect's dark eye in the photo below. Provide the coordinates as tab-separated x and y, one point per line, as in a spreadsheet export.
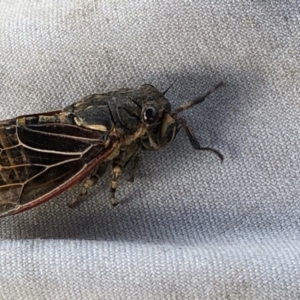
150	114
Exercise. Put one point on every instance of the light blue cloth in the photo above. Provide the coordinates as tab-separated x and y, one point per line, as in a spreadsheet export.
188	227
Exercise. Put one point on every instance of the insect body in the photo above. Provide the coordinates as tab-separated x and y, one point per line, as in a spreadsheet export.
44	154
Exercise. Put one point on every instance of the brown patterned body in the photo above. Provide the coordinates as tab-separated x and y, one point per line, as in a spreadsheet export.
44	154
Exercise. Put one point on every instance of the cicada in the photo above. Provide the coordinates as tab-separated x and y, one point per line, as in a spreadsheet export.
42	155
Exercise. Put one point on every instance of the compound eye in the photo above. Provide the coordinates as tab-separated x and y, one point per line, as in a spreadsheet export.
150	114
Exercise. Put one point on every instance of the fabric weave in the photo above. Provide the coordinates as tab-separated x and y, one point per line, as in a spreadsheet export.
188	227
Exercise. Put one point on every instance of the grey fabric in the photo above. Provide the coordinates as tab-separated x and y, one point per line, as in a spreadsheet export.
188	227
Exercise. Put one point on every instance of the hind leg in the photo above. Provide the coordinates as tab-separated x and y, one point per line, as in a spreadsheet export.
87	184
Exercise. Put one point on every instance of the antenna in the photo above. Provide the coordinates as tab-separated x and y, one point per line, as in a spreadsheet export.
169	87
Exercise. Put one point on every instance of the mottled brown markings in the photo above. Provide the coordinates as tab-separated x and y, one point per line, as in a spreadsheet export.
97	131
5	148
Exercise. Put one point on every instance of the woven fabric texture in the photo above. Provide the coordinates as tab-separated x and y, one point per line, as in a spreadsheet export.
189	227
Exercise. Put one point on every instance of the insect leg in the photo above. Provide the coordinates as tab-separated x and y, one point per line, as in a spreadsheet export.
116	172
87	184
133	170
127	155
194	141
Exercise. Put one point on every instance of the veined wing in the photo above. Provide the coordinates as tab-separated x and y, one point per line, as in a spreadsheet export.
40	159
